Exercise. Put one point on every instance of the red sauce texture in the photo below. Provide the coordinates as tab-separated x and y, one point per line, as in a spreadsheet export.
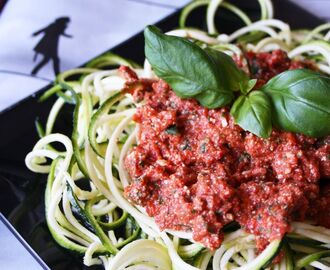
194	169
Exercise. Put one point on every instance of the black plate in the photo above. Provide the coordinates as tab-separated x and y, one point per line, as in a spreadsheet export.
21	192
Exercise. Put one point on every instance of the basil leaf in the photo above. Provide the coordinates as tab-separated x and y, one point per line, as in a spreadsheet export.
189	70
214	99
301	101
227	69
253	113
182	64
247	86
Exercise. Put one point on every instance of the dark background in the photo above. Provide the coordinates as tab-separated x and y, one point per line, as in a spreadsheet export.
2	3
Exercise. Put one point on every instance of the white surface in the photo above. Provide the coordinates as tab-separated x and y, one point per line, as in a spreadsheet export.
164	3
320	8
13	254
95	28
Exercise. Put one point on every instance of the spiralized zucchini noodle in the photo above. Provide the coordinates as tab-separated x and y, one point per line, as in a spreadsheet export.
86	211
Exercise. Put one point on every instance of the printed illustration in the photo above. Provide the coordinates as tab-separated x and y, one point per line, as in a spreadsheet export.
48	45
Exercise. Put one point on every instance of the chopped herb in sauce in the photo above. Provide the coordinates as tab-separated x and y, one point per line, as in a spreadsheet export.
185	146
203	147
172	130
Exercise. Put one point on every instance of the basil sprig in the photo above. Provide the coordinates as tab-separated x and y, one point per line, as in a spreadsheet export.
295	100
207	75
301	101
252	112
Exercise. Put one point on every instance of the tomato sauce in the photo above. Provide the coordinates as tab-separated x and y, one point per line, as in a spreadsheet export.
263	66
194	169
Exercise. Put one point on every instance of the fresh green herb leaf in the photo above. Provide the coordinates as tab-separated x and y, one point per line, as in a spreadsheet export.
227	69
179	62
301	102
172	130
253	113
208	75
247	86
213	99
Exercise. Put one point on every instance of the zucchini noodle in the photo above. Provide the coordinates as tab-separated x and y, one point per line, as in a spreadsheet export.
86	210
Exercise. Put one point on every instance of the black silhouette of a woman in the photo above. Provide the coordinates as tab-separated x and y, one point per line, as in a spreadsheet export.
48	45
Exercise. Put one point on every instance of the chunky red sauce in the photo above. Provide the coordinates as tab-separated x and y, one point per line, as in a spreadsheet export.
264	66
195	170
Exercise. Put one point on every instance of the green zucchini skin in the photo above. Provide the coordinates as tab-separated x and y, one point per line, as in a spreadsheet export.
104	109
308	259
288	255
300	240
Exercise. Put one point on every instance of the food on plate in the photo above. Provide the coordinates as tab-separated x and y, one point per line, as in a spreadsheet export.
214	155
